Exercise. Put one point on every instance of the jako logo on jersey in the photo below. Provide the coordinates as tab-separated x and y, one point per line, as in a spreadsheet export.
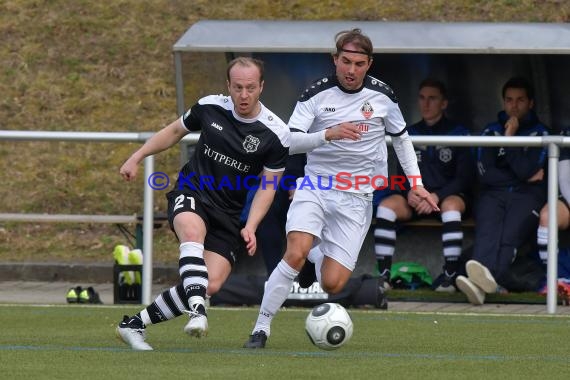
250	143
367	110
329	109
217	126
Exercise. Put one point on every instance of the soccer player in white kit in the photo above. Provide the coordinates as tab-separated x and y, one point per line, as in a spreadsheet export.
340	121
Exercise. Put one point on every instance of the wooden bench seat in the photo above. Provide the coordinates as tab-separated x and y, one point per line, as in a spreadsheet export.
431	222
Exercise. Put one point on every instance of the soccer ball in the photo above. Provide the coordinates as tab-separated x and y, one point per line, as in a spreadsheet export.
329	326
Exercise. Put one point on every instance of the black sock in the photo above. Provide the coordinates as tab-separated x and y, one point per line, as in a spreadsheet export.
451	266
384	266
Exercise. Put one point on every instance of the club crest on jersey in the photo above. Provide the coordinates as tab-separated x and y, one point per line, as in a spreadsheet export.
445	155
250	143
367	110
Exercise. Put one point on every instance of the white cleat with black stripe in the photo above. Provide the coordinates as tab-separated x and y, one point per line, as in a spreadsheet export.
132	332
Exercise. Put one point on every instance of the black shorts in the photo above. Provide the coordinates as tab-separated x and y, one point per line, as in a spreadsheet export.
222	229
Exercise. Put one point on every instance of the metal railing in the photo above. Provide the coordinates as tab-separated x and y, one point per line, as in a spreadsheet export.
552	142
148	202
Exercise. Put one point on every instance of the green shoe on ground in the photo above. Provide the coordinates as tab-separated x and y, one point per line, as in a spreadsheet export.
89	295
73	294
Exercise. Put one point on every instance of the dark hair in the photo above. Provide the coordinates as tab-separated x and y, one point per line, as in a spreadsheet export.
356	37
519	82
246	61
435	83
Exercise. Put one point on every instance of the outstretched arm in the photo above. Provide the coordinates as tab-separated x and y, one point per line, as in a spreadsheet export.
162	140
303	142
407	156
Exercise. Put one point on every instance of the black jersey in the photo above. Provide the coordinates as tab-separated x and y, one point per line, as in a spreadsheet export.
231	151
446	170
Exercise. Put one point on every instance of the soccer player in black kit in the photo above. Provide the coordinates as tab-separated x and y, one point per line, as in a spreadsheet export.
240	139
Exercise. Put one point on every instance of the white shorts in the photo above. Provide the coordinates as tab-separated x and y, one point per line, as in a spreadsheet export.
338	219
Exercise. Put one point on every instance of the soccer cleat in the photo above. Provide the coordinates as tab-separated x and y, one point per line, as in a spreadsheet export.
198	324
563	288
89	295
307	276
132	332
384	280
256	340
444	282
73	294
475	295
381	298
481	276
84	296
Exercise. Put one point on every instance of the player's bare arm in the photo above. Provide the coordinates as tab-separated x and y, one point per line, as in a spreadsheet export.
259	207
162	140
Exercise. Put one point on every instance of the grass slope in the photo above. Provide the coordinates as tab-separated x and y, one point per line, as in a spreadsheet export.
107	66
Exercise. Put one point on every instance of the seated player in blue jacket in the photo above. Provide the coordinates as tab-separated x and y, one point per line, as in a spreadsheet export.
513	190
447	173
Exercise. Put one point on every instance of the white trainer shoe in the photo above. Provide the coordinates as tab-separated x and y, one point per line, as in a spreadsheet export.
198	324
132	332
481	276
475	295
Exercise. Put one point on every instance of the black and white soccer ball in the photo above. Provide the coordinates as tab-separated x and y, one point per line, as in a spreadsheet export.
329	326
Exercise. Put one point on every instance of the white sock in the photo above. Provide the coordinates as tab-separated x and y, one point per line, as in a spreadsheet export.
316	256
277	289
145	318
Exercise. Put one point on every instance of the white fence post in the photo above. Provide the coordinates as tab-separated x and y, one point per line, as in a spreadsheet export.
552	262
148	225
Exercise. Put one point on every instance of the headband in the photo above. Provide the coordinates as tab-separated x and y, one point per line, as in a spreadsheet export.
354	51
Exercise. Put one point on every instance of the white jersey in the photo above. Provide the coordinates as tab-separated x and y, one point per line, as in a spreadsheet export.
373	108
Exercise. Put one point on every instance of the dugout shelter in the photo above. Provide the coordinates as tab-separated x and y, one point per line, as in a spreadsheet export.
474	59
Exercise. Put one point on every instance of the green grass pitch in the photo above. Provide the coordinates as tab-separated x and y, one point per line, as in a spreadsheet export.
78	342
